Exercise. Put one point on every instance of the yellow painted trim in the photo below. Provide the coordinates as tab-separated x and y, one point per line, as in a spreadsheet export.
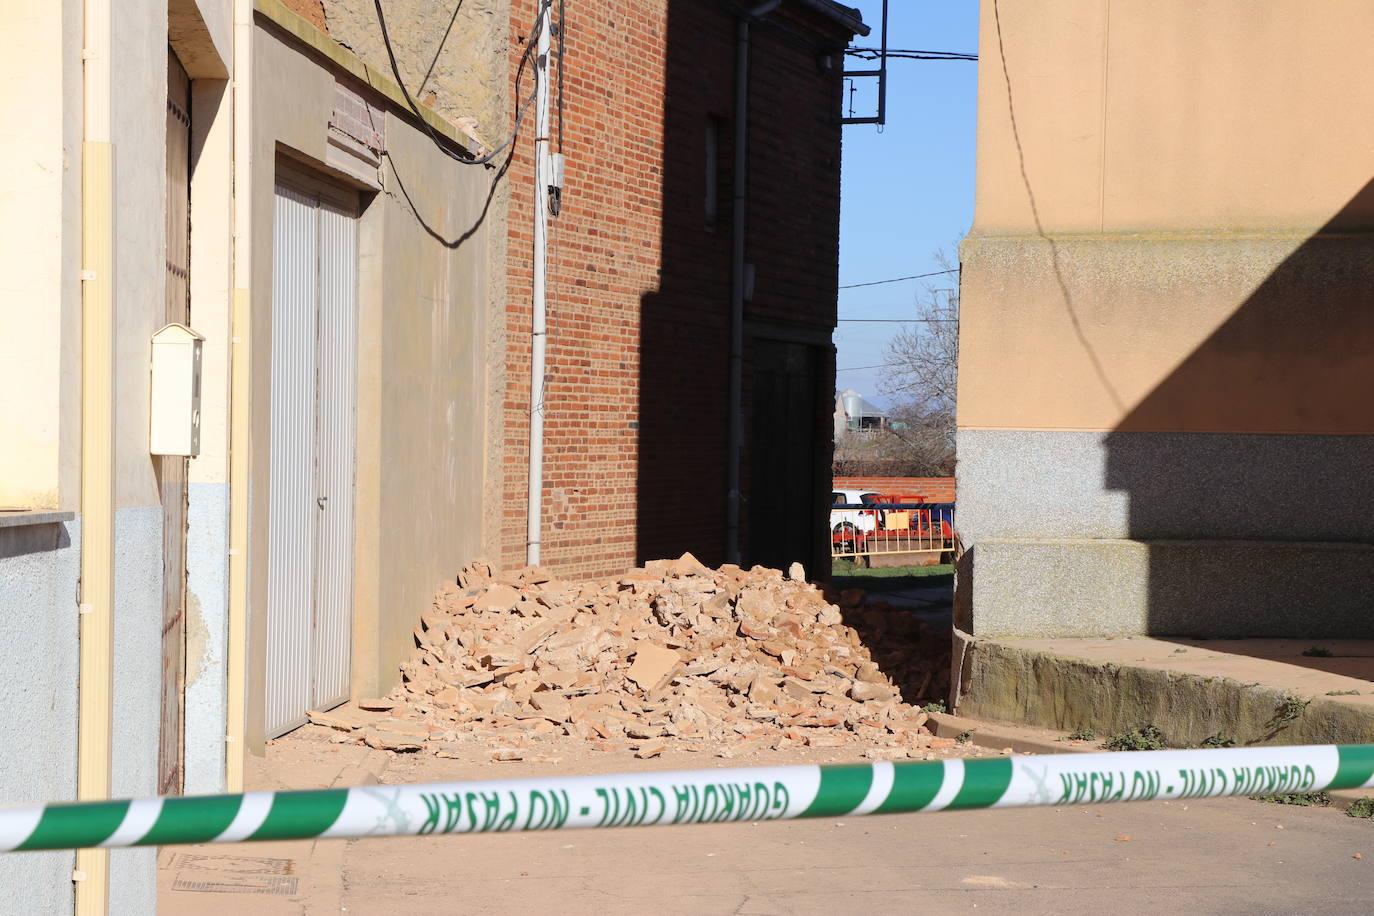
236	676
95	692
307	33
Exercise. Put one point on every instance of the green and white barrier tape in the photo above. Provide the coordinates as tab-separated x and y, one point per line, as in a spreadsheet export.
689	797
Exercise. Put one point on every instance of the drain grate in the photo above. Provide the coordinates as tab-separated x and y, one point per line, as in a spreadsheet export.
244	865
234	875
281	885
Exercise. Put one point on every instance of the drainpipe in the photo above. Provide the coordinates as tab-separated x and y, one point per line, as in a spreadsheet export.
538	330
740	198
236	637
95	691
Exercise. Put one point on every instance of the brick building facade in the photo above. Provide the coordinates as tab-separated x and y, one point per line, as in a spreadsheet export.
637	393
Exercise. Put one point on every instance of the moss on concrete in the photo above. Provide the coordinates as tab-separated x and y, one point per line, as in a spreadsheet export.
1017	684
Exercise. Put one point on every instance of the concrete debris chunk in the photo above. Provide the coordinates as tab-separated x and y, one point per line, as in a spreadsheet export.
669	655
499	598
390	741
653	665
325	719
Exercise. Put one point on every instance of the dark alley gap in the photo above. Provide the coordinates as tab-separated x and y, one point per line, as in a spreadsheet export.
792	245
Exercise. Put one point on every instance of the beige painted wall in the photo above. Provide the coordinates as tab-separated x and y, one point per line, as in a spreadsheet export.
1173	116
40	250
432	378
212	248
455	59
139	100
1171	201
421	385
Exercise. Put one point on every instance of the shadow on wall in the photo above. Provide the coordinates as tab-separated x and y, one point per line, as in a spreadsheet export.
788	362
684	324
1263	434
1249	470
23	540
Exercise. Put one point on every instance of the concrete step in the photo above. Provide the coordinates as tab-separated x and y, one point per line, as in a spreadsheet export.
1256	691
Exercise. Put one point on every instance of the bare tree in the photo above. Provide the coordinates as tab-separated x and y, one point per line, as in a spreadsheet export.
924	355
923	378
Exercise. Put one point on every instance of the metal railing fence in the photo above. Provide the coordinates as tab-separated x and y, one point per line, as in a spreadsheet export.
861	531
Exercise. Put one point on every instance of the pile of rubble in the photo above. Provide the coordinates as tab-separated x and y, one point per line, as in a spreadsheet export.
730	660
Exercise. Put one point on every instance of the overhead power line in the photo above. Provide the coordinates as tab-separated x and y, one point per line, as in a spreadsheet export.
539	23
898	320
879	366
908	54
936	273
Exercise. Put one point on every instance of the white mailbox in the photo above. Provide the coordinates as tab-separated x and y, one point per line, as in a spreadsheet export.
174	427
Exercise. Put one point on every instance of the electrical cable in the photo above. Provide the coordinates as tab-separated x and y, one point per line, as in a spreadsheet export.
900	320
519	115
562	33
936	273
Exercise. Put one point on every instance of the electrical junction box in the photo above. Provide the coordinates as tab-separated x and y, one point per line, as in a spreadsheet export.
174	421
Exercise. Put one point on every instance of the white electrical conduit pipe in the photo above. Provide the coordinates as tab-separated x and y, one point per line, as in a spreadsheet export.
539	311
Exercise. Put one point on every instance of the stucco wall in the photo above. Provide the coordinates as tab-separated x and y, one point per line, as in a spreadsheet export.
1171	116
454	61
138	119
39	571
207	545
451	55
137	693
423	297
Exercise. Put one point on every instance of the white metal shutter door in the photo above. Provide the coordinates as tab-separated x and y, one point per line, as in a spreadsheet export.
291	498
338	262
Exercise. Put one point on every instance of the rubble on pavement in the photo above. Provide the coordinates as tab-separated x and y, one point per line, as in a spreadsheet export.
673	654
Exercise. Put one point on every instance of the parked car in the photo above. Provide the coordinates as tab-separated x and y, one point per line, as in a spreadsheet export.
849	523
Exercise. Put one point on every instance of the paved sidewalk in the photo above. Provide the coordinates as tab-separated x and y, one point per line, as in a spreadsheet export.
1220	856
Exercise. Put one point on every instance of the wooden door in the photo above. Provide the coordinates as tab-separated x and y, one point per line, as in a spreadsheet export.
782	447
172	468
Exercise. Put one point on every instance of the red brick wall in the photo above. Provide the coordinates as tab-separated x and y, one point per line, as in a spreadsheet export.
934	489
639	287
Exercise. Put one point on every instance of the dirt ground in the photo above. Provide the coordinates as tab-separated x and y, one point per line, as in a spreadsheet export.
1220	856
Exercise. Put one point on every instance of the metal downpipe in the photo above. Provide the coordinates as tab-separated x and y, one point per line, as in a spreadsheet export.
739	198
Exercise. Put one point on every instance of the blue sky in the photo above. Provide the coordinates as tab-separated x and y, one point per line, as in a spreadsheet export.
908	190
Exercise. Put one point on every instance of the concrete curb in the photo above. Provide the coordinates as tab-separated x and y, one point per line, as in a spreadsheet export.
997	736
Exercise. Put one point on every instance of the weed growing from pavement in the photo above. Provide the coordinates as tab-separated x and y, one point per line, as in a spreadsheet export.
1218	740
964	737
1290	710
1145	738
1080	734
1304	799
1342	693
1318	652
937	706
1362	808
